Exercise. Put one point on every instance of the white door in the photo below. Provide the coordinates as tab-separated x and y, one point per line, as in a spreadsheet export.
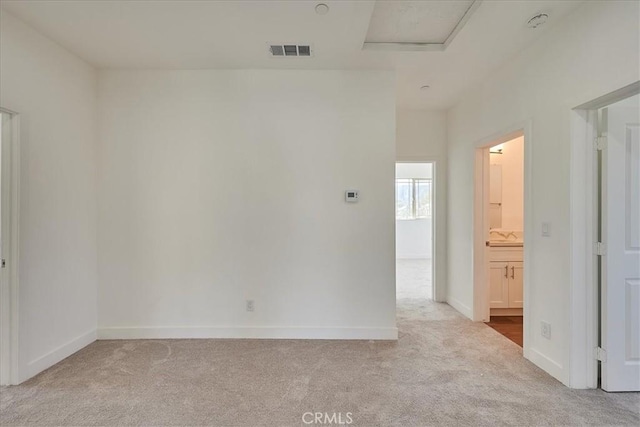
4	285
8	299
5	294
620	273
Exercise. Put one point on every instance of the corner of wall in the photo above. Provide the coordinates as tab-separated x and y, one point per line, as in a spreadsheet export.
56	355
460	306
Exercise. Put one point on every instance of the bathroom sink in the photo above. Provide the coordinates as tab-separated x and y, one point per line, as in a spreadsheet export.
505	238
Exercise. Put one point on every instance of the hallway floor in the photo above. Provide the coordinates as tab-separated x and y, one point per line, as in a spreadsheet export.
414	278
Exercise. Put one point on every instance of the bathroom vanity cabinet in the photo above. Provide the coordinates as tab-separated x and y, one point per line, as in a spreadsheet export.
505	280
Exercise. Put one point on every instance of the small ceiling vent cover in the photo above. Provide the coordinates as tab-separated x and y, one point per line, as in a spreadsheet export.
282	50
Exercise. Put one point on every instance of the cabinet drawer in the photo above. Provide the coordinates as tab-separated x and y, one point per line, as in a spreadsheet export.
505	254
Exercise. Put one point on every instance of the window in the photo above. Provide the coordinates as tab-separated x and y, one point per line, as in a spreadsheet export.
413	198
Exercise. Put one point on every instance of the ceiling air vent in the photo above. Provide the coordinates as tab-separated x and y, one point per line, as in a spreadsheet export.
289	50
277	50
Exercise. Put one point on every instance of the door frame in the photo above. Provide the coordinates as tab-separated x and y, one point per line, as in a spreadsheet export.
584	299
438	223
480	229
9	314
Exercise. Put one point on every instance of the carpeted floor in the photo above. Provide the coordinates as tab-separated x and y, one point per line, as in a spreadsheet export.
414	278
444	370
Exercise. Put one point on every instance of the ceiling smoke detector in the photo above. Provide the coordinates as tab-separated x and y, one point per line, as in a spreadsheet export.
424	87
537	20
322	9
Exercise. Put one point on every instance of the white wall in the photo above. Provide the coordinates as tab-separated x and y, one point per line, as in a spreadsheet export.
512	162
421	135
222	186
55	94
414	237
593	52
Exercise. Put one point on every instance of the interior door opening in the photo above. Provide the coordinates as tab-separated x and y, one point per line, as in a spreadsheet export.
506	238
415	213
9	213
5	292
618	233
499	224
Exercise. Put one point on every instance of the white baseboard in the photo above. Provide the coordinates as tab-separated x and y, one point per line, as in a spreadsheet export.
548	365
38	365
462	308
248	332
505	312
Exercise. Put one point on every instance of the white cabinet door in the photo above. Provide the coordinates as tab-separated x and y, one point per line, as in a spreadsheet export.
515	285
620	278
498	284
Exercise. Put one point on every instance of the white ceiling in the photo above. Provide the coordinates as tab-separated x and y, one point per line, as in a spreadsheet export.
415	21
236	34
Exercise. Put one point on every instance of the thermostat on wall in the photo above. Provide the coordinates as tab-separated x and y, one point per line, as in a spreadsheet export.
351	196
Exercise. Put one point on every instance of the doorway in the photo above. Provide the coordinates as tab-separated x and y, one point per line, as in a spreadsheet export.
506	238
605	242
500	195
414	207
8	247
618	231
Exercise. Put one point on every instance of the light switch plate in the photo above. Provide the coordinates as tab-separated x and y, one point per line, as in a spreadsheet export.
546	229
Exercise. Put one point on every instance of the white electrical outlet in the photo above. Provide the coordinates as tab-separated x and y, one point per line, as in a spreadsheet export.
250	305
545	329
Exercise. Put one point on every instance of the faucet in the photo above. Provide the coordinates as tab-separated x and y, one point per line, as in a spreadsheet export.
511	233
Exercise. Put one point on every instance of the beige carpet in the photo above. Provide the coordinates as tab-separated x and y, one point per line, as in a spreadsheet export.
444	370
414	278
